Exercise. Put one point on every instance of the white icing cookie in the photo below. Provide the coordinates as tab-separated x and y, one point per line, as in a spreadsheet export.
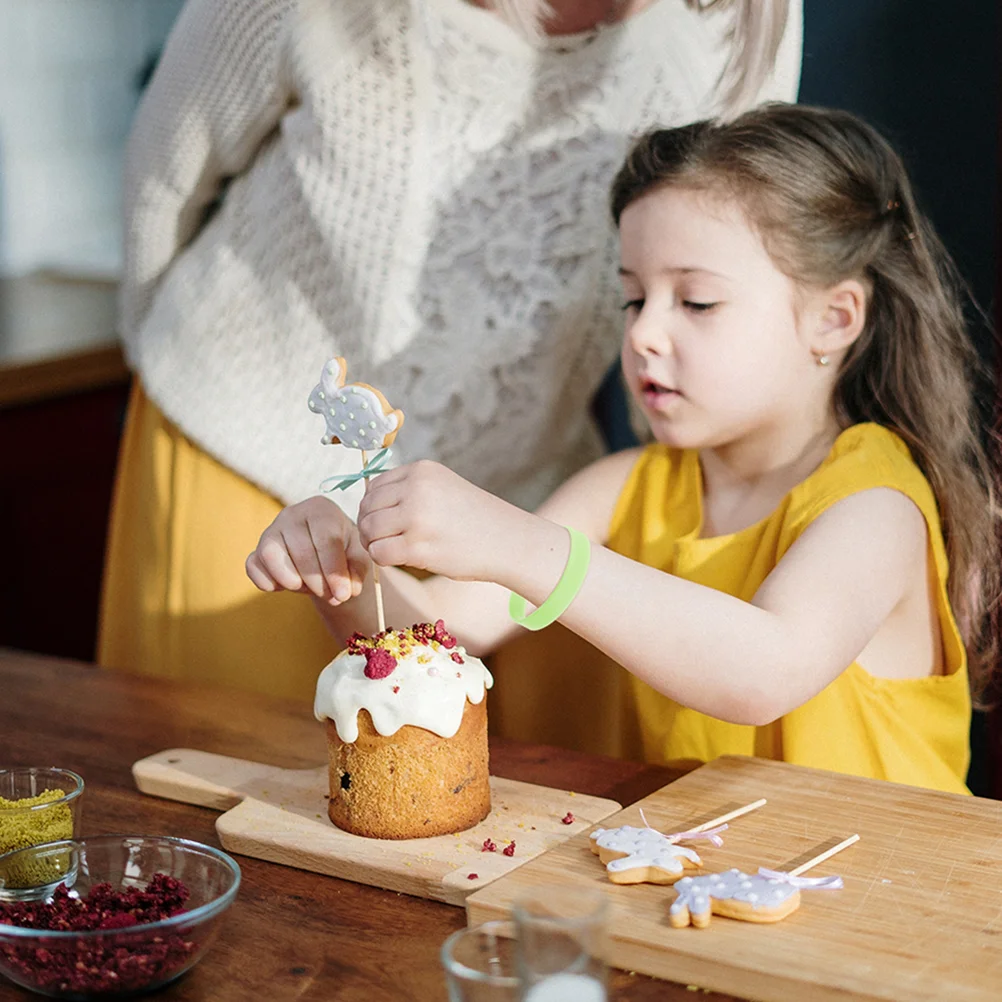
357	415
733	894
641	855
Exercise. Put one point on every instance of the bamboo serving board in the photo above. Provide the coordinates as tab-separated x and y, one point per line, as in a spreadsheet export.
281	815
919	918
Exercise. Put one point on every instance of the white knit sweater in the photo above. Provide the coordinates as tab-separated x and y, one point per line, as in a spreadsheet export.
413	187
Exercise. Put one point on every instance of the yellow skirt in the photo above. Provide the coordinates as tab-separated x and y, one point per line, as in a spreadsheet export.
176	603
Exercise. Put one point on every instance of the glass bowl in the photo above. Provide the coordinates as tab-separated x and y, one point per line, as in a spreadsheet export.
113	962
57	819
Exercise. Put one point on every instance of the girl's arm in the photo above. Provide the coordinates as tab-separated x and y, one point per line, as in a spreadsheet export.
474	608
314	548
745	662
218	90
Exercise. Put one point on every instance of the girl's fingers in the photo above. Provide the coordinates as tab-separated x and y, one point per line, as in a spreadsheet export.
274	559
380	524
300	549
392	551
259	576
333	563
381	495
358	564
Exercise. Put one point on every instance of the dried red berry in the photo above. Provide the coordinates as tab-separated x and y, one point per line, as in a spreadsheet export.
89	967
567	819
443	636
457	657
489	845
379	663
396	688
472	876
509	849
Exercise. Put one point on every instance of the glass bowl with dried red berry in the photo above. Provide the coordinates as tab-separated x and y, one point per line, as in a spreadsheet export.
127	913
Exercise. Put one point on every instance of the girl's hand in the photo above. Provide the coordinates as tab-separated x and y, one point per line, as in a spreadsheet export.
424	515
310	547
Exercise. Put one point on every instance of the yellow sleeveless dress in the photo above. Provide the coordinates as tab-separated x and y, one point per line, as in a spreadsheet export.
912	730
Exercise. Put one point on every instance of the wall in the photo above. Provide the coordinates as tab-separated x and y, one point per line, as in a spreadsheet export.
69	73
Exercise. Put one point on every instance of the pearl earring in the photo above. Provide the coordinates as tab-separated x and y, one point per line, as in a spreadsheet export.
823	359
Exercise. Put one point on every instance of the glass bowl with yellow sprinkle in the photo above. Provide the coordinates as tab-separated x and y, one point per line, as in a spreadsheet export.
37	805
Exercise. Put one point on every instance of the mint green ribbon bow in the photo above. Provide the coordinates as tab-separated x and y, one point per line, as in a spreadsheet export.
342	481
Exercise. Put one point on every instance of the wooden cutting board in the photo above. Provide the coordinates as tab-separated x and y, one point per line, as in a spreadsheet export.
281	815
920	916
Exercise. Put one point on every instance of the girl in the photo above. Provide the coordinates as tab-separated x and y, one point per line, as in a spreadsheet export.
781	570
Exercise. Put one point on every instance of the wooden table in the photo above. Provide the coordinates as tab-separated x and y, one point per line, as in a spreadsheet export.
290	934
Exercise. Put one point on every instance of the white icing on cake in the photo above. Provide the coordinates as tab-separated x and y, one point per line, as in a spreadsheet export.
426	689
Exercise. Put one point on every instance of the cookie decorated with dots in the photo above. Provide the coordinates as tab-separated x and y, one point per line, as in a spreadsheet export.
733	894
357	415
642	855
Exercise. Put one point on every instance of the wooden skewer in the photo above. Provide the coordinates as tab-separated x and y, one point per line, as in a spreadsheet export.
844	844
380	615
730	816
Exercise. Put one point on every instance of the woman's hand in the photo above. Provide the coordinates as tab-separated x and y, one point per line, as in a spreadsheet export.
311	547
424	515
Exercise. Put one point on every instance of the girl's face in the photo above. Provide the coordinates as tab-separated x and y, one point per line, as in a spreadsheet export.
712	348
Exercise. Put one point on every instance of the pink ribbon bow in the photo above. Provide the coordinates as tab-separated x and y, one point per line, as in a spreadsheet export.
710	834
810	883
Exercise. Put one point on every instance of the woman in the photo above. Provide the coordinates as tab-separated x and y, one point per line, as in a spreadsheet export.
401	183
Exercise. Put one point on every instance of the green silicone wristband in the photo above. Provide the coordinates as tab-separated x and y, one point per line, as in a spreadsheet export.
558	601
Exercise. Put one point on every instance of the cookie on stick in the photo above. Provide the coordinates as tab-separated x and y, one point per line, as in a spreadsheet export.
356	416
766	896
646	856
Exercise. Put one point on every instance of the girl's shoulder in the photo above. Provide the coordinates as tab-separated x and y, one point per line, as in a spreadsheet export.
864	456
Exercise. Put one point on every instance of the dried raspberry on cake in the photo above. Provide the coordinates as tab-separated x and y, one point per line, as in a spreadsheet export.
443	636
379	663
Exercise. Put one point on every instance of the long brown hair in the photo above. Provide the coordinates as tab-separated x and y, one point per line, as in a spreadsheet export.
831	200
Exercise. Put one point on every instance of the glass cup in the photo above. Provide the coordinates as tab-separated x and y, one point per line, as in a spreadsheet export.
480	964
562	945
53	820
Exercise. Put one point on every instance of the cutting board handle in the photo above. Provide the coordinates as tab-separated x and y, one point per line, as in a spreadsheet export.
200	778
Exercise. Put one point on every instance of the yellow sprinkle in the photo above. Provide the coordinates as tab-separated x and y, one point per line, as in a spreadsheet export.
571	793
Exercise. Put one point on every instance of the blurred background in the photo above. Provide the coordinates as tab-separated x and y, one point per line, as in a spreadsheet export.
71	75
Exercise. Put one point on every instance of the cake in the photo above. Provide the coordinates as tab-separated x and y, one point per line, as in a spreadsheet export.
406	719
